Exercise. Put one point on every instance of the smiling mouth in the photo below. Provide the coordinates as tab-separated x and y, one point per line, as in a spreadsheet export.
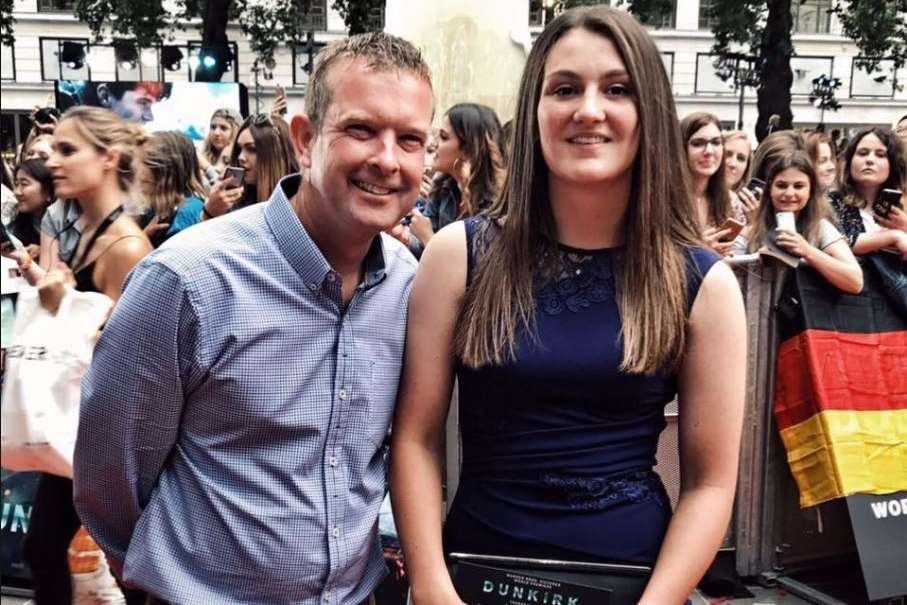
588	139
372	188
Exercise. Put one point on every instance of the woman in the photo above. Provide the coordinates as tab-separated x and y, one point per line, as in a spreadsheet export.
705	153
264	151
737	156
469	170
872	162
93	162
171	182
34	190
793	186
569	325
822	152
221	133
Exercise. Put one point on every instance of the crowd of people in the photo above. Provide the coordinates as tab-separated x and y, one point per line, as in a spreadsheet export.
286	289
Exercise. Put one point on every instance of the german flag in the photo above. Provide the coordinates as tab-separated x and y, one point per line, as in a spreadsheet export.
841	388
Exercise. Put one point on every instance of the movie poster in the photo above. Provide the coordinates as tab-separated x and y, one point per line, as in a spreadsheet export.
182	106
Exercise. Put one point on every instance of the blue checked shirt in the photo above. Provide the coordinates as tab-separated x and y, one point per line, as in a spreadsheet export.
232	422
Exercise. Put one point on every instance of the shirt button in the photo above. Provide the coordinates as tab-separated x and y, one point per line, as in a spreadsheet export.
342	394
331	277
335	532
332	460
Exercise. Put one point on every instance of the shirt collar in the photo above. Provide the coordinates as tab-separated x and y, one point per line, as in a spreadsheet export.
297	246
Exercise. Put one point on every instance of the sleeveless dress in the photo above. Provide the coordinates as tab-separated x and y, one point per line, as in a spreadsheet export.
558	446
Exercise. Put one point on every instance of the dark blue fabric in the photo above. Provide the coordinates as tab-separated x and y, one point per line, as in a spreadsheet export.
559	446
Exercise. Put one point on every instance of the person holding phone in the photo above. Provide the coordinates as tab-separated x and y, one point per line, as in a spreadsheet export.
569	323
793	188
264	154
873	161
705	160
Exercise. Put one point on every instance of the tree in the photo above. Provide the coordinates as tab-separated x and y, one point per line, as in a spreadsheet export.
762	28
267	24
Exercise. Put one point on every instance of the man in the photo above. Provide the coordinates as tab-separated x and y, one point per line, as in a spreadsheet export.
230	445
133	101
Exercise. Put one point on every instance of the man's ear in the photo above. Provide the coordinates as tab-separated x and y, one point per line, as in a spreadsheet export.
302	133
104	95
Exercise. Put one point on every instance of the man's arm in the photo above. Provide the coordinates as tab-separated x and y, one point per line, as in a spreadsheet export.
132	400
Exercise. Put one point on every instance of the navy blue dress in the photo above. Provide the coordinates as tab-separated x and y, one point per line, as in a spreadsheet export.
558	447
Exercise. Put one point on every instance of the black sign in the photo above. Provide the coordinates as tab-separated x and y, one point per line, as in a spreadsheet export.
483	585
880	530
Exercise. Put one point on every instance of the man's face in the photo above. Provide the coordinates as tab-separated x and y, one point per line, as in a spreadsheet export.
364	168
135	105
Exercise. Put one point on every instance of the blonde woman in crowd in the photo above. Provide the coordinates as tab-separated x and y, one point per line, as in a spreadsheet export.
93	162
569	324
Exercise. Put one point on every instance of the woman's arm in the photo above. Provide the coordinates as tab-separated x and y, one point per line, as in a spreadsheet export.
838	265
868	243
711	393
418	431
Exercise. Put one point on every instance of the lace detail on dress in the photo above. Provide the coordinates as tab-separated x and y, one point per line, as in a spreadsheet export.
582	279
600	493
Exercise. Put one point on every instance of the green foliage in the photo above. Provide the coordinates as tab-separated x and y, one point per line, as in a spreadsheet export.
356	13
879	28
6	22
650	12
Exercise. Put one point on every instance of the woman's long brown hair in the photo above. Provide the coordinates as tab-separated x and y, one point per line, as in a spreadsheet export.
716	191
659	223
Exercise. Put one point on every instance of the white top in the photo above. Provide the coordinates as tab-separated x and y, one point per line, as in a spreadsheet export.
828	234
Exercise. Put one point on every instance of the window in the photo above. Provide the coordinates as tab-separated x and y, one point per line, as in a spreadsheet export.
811	16
65	59
56	6
879	83
14	127
7	63
665	20
301	62
706	21
668	59
316	15
542	11
707	79
805	70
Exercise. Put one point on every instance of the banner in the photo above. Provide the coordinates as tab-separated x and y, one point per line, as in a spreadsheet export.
841	388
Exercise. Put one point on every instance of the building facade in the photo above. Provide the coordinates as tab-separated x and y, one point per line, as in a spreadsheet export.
44	27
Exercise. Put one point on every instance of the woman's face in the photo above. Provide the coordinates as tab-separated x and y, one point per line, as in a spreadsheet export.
825	166
248	157
901	130
29	194
223	160
705	151
736	156
77	167
790	190
220	133
40	148
587	115
869	167
448	150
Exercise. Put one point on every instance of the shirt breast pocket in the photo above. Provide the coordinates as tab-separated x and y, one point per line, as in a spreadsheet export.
381	396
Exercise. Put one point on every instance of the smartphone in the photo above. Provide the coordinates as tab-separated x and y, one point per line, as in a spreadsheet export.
757	186
735	226
46	115
6	238
235	175
886	200
281	93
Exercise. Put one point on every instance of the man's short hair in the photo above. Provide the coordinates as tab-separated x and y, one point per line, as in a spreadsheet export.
381	51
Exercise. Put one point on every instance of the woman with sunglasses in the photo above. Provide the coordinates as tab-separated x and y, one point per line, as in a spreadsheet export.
265	154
